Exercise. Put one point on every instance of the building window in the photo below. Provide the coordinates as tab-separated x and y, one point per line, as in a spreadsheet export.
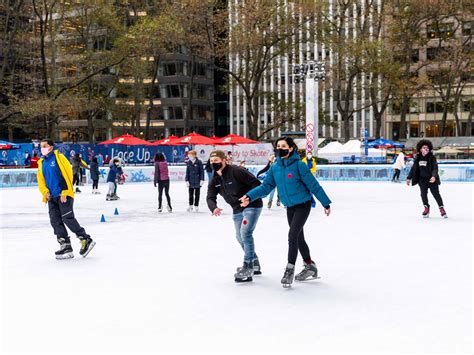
467	28
415	55
440	30
432	53
466	105
430	107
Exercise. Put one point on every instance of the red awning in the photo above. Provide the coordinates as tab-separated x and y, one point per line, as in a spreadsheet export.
126	139
235	139
171	140
195	138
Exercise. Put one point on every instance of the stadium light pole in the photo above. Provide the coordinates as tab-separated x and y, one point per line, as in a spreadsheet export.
312	72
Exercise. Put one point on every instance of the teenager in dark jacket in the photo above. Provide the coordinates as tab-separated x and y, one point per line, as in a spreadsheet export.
77	163
232	182
271	161
95	175
163	181
115	171
209	171
424	172
194	180
296	186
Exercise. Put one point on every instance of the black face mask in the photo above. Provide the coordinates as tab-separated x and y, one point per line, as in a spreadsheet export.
216	166
282	152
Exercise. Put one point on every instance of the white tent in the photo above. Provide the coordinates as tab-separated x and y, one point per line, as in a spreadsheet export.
335	152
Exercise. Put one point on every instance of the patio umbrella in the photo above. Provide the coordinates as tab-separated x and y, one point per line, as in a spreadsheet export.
171	140
195	138
126	139
4	145
233	139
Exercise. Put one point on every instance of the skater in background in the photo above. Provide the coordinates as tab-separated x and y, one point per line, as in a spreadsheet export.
77	163
271	161
34	161
106	160
399	165
194	180
95	175
232	182
162	179
55	184
209	170
296	186
310	161
230	158
100	159
115	171
424	172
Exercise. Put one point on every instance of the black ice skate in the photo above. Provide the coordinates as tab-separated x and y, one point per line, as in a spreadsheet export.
270	204
256	268
160	209
309	272
65	252
108	197
426	212
287	278
245	274
443	212
86	246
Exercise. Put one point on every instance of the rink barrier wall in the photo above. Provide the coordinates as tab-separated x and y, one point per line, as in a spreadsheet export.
133	174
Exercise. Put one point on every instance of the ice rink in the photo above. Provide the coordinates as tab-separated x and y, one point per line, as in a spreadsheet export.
163	283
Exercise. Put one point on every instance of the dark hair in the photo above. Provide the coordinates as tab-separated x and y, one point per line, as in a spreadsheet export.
159	157
35	154
423	142
291	143
95	160
49	141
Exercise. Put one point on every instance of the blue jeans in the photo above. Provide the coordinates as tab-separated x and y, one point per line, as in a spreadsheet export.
270	197
209	175
245	223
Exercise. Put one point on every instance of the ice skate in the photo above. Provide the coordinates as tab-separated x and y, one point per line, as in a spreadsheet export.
169	209
64	252
190	209
270	204
287	278
86	246
196	209
309	272
160	209
426	212
443	212
108	197
256	268
245	273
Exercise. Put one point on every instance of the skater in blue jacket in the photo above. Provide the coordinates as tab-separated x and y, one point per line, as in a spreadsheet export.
296	185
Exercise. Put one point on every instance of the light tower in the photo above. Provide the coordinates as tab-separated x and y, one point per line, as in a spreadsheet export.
311	72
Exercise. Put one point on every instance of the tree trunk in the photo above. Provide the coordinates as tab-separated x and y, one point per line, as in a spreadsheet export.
468	132
378	124
458	121
347	128
405	107
443	120
150	95
189	111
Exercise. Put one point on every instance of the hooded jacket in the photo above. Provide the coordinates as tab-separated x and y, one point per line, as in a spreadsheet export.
294	181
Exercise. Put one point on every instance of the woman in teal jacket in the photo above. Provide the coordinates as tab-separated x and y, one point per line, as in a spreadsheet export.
296	185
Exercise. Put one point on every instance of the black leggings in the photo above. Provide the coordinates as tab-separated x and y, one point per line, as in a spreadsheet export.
163	185
95	184
396	175
76	179
194	196
297	216
434	188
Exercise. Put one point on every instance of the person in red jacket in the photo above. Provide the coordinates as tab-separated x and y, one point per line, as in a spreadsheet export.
34	161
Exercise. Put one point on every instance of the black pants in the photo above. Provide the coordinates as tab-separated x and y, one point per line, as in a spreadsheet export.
396	175
297	216
95	184
61	214
76	178
194	196
434	188
164	185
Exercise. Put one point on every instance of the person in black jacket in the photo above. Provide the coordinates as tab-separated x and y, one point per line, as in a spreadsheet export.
209	171
271	161
194	180
233	182
424	172
95	175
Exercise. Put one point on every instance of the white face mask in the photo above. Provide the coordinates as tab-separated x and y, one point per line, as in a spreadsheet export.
309	156
45	151
192	158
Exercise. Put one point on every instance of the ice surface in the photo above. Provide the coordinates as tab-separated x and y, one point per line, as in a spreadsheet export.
390	280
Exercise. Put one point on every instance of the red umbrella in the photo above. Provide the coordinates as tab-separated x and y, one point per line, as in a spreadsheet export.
232	139
171	140
195	138
126	139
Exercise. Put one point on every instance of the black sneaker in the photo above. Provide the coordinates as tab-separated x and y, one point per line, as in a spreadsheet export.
65	252
86	246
